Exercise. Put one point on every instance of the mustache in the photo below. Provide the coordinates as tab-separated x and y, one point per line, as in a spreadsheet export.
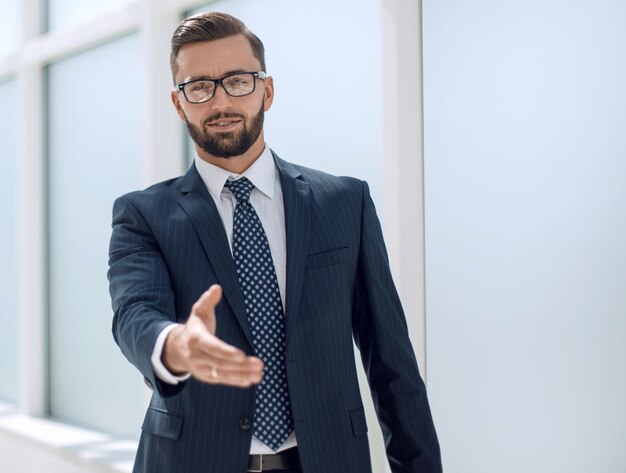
222	116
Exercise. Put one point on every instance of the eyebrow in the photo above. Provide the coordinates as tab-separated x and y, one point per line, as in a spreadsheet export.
234	71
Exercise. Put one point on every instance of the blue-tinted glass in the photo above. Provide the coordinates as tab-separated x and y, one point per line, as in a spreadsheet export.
69	13
8	243
9	25
525	165
94	156
295	49
303	110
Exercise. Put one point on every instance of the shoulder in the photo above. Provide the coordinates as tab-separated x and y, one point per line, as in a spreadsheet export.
150	204
155	195
322	182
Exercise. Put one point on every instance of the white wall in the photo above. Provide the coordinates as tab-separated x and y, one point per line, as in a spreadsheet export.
525	165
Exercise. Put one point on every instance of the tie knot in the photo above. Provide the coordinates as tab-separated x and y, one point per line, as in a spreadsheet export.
241	188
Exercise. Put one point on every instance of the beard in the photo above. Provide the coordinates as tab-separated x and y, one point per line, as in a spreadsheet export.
227	144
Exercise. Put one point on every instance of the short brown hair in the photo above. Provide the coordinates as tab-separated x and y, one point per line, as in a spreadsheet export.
209	26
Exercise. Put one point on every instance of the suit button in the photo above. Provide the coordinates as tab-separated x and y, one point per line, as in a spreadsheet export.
245	423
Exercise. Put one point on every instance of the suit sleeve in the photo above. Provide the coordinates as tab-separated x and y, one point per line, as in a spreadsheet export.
141	294
381	334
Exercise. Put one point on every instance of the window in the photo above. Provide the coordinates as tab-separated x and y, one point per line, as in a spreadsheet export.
94	156
9	26
8	242
68	13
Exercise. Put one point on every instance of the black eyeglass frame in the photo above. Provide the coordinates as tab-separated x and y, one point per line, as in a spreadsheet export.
256	74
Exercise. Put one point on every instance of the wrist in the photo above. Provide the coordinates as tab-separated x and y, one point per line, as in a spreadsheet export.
171	357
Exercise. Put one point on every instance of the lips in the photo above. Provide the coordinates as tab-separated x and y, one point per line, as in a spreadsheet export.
223	122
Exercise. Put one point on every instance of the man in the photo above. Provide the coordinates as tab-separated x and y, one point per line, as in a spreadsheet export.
257	373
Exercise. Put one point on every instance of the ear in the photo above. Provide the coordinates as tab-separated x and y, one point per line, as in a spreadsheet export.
175	96
269	93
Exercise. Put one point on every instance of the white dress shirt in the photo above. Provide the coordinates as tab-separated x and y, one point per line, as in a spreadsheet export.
267	200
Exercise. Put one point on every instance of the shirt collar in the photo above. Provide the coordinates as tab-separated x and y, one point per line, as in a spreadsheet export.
262	173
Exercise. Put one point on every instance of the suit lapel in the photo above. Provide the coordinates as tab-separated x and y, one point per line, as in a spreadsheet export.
296	196
200	207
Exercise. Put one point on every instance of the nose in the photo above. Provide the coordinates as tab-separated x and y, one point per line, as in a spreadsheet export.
220	100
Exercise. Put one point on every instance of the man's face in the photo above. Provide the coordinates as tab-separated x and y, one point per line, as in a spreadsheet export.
225	126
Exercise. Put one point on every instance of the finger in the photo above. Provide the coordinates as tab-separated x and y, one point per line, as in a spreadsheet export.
205	306
249	370
247	365
212	375
250	366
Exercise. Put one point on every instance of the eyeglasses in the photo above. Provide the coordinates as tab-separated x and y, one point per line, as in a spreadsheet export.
235	85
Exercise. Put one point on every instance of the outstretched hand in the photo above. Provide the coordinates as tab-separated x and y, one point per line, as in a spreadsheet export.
194	348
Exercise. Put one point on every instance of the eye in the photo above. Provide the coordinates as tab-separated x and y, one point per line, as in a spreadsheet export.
200	86
241	80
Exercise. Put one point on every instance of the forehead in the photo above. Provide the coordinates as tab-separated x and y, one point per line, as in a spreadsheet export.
216	58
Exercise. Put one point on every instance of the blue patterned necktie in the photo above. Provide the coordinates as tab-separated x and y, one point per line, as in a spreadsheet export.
257	277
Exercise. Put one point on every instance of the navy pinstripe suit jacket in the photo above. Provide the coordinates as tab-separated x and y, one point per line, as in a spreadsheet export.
168	246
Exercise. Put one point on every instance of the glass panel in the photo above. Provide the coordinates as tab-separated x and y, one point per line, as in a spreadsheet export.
68	13
525	228
8	243
295	53
190	150
94	133
9	25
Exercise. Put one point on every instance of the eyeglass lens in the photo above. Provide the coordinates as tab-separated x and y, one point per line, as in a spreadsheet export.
236	85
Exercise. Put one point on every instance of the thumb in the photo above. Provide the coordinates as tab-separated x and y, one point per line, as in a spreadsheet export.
204	308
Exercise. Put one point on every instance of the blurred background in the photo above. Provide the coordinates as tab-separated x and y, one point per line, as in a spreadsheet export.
493	137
